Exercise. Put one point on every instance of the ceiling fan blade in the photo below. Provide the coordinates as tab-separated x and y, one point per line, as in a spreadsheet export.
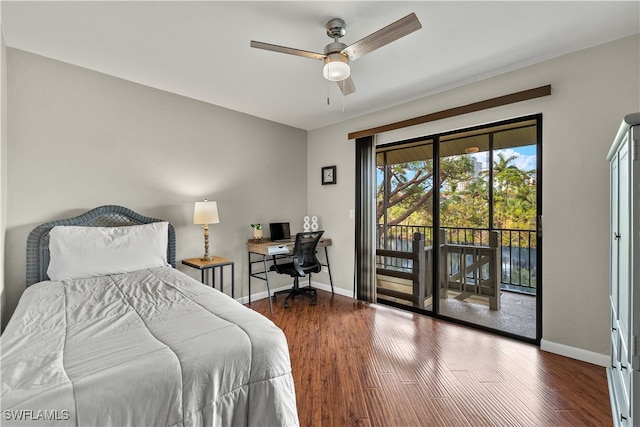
289	50
346	86
384	36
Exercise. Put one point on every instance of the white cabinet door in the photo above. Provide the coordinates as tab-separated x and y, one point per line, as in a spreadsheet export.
620	285
624	257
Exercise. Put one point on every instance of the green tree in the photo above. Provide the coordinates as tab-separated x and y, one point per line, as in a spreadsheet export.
467	206
464	202
514	194
408	188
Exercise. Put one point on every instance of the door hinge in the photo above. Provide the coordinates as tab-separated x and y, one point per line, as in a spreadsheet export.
635	353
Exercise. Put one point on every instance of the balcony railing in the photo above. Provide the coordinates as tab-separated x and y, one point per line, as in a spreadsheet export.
517	247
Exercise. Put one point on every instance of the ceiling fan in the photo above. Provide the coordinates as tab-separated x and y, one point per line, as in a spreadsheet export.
337	55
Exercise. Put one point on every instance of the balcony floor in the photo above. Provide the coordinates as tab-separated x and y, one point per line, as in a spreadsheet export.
517	314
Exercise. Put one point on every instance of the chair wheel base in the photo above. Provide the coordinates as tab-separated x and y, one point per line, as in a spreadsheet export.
295	291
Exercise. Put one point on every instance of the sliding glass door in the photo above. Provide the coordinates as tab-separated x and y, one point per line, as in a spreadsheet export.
457	219
404	223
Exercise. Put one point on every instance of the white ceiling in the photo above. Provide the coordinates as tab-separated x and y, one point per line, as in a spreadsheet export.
201	49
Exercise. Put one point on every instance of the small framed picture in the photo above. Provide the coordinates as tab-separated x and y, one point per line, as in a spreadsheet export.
329	175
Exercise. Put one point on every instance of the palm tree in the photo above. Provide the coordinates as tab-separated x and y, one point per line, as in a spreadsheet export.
513	192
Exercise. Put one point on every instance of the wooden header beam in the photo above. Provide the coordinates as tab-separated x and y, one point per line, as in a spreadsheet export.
457	111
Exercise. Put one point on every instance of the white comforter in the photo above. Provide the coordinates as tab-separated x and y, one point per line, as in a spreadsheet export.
148	348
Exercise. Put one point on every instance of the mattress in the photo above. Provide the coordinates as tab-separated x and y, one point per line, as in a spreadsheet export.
151	347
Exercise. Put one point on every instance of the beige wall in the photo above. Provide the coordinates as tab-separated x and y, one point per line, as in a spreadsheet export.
591	91
80	139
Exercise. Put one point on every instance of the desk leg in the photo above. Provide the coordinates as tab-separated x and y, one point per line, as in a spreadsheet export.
326	255
249	255
233	280
203	277
266	275
221	279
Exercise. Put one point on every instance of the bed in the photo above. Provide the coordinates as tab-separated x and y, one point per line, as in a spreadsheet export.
98	340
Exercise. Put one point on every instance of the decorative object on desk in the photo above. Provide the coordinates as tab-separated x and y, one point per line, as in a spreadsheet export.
306	225
206	213
314	223
329	175
257	232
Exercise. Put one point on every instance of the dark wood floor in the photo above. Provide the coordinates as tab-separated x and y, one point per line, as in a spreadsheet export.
358	364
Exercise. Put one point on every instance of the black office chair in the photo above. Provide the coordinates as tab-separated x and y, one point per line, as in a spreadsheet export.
304	261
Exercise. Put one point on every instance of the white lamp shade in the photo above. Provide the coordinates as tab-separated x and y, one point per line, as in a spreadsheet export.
336	67
206	213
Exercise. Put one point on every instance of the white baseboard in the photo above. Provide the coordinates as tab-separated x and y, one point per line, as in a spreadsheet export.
339	291
319	286
575	353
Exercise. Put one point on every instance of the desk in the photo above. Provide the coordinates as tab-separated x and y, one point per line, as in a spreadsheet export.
266	248
216	262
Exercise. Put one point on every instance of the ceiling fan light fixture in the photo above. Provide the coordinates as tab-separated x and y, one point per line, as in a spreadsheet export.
336	67
337	55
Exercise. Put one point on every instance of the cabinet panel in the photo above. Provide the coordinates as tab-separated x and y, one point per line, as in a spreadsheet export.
619	407
613	256
623	238
624	371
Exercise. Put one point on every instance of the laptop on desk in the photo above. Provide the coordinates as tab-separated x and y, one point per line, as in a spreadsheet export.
280	232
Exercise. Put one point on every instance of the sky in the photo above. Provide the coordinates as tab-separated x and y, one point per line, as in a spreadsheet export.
525	157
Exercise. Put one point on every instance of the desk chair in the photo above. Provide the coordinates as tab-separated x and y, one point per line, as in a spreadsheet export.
304	261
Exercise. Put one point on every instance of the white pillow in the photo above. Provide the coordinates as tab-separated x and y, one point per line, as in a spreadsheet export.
77	252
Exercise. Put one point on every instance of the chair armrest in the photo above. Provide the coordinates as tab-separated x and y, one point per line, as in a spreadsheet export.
296	265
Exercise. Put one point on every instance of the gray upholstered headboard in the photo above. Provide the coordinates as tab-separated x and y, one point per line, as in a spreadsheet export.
103	216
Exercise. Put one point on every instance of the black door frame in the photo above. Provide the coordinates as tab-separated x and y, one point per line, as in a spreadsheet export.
436	226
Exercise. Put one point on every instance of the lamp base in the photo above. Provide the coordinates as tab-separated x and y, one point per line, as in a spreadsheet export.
207	258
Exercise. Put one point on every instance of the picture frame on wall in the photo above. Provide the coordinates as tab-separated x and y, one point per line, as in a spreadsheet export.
329	175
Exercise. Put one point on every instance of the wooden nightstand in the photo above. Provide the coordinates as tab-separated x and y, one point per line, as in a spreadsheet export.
216	262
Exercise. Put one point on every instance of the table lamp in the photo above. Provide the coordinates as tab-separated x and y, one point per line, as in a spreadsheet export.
206	213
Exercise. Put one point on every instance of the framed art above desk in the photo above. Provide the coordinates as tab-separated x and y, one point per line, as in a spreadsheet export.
259	252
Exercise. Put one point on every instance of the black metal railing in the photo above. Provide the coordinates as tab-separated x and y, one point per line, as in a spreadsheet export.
518	250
